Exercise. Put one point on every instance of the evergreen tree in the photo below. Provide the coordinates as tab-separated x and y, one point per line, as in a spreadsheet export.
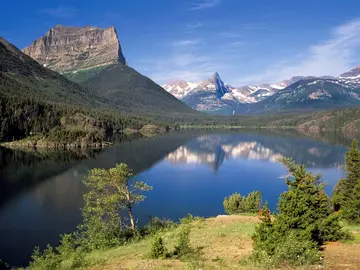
351	209
158	249
347	192
304	222
237	204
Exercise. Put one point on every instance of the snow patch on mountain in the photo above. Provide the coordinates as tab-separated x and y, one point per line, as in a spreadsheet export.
320	94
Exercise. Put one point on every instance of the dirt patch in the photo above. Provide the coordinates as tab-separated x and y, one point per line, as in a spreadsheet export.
342	256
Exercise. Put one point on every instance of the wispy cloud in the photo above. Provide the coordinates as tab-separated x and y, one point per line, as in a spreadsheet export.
204	4
333	56
195	58
186	42
191	60
61	11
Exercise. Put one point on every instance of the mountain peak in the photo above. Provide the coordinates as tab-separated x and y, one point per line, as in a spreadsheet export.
352	74
215	77
68	48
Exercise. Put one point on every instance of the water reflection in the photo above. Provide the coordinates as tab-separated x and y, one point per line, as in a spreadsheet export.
213	150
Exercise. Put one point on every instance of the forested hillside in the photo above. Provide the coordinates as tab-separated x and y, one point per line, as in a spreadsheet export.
37	101
129	91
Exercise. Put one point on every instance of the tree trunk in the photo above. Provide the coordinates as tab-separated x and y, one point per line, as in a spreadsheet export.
131	218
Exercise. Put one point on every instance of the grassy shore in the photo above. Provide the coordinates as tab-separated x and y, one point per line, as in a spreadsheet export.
223	242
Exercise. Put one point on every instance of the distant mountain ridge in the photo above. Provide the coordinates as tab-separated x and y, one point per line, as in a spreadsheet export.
296	93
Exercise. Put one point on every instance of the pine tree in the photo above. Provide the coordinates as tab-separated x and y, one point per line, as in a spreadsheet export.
351	211
347	192
305	205
304	222
158	249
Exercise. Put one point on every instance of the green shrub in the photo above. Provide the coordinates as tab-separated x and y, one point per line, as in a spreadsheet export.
157	224
189	218
351	209
253	202
47	259
304	222
346	195
291	251
237	204
182	246
158	249
297	251
234	204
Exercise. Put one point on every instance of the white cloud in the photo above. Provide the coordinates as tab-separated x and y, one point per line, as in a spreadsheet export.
332	57
188	59
204	4
61	11
185	42
196	59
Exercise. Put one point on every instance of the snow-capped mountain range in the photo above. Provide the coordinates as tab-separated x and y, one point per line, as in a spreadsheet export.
213	95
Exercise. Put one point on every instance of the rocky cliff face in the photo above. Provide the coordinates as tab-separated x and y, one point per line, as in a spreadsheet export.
69	49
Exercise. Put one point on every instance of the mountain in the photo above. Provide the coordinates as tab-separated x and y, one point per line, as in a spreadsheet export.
212	96
180	88
66	49
37	100
21	76
93	58
312	94
53	111
351	77
297	93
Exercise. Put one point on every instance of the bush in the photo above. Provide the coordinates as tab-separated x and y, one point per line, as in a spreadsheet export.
157	224
237	204
158	249
67	255
292	250
253	202
346	195
182	246
297	251
304	222
351	209
47	259
189	218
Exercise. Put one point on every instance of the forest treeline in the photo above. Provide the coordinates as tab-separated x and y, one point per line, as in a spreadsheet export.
22	117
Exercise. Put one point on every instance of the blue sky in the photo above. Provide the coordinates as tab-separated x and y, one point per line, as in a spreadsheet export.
245	41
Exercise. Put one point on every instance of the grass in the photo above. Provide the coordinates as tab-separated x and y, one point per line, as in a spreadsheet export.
220	243
355	229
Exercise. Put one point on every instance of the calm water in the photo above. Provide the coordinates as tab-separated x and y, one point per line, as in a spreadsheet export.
41	193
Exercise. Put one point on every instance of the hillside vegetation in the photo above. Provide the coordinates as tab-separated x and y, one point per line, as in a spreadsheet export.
37	101
129	91
224	241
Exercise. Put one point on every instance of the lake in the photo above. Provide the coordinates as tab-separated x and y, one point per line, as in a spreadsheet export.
191	172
